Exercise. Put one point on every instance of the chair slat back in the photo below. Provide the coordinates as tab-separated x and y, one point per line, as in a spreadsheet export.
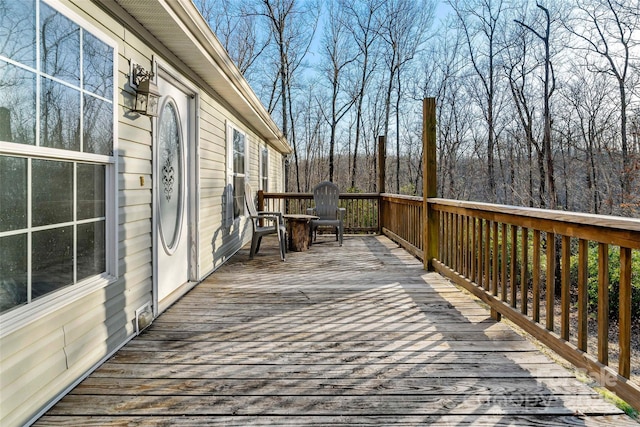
248	198
326	196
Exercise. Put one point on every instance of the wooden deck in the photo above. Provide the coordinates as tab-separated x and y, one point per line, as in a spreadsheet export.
352	335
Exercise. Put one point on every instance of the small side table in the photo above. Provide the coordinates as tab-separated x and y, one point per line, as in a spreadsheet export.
298	229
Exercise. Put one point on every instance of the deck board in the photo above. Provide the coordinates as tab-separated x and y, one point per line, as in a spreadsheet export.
352	335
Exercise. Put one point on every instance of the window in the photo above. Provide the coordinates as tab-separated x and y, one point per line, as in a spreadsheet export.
237	149
264	169
56	149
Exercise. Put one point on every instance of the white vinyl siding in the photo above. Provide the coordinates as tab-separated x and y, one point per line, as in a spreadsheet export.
219	239
50	343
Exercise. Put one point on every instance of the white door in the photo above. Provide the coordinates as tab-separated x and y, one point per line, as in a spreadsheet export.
171	192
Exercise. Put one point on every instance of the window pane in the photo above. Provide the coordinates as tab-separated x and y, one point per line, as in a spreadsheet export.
265	170
238	152
238	196
98	66
91	181
13	271
98	126
60	46
17	104
265	158
52	192
238	162
13	193
60	116
91	249
52	260
18	31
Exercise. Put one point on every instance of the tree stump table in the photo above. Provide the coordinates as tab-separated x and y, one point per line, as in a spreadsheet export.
299	231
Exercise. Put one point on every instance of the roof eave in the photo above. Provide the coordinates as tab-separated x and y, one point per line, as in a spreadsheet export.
195	46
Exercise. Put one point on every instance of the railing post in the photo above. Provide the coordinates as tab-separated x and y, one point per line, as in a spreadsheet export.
261	200
430	217
382	163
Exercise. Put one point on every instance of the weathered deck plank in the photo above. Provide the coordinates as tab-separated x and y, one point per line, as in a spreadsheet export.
358	335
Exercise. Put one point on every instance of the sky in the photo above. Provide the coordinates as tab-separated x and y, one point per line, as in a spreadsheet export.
314	56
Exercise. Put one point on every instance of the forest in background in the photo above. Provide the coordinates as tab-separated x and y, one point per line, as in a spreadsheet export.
537	102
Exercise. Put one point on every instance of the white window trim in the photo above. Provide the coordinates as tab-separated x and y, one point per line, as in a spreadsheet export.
262	173
22	316
231	127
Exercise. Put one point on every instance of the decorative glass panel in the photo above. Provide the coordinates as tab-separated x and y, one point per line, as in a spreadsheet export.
98	66
60	116
13	193
17	104
52	187
91	249
91	191
52	260
13	271
171	174
18	31
59	46
98	126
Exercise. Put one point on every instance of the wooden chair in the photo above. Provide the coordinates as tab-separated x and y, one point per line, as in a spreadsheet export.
326	196
264	223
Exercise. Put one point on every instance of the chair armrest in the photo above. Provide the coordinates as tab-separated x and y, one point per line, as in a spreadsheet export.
271	216
311	211
267	217
342	212
270	213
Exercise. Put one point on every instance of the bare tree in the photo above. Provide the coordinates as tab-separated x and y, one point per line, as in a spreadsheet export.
292	25
238	30
587	95
361	16
549	82
479	20
443	71
403	28
606	29
339	55
519	70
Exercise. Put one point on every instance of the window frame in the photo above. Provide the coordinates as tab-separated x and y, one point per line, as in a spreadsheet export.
45	305
232	174
263	165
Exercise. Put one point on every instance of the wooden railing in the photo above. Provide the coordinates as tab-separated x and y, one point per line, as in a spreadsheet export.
520	262
362	209
401	220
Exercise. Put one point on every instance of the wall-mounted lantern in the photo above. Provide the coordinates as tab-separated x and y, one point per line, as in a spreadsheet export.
147	93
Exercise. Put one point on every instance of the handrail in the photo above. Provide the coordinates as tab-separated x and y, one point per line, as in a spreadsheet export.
590	220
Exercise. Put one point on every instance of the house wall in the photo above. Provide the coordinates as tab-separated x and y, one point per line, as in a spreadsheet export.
52	350
217	242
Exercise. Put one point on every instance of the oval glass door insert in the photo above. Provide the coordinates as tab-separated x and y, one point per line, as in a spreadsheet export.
170	172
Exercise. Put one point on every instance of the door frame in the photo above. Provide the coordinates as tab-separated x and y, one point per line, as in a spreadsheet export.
191	208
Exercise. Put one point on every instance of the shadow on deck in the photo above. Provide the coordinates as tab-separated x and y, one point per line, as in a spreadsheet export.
352	335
